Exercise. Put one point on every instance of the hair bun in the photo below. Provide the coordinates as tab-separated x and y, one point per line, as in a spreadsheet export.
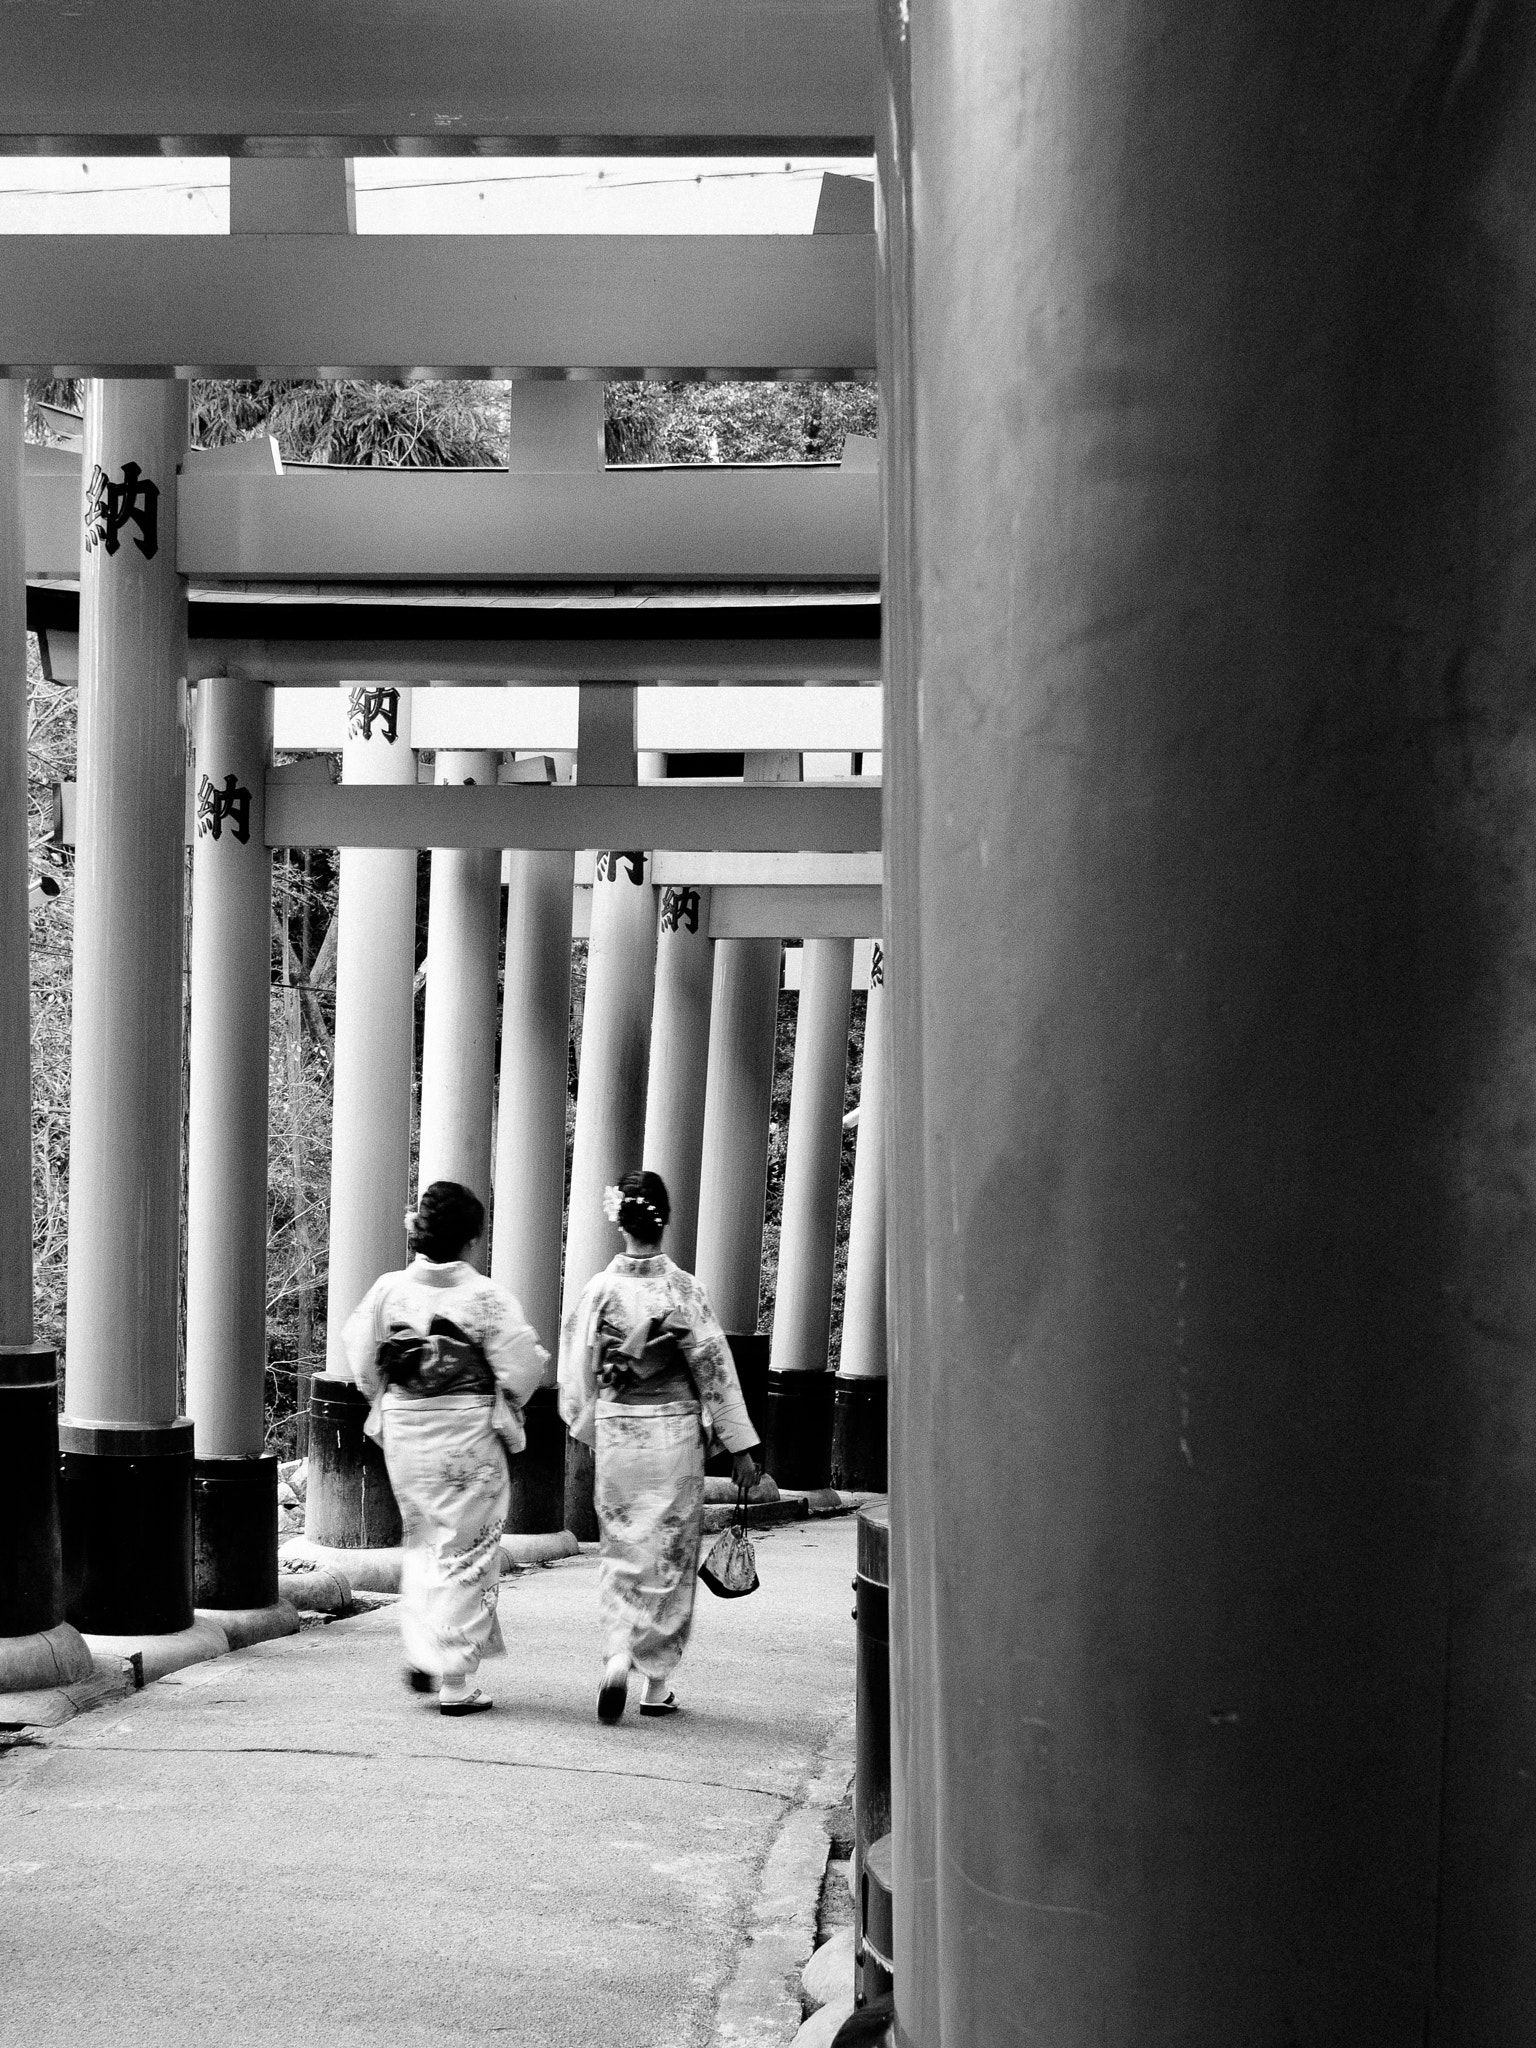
446	1219
643	1205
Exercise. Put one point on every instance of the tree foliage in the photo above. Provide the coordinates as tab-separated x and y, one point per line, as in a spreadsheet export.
424	425
757	422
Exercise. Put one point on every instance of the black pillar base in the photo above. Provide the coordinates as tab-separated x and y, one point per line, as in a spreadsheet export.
875	1926
858	1433
349	1502
234	1531
749	1354
798	1439
125	1509
31	1552
872	1678
538	1472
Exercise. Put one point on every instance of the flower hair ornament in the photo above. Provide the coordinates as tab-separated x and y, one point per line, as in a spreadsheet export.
410	1222
613	1201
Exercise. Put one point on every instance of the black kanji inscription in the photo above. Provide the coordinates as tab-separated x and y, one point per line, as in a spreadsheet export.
214	805
877	966
369	708
608	867
679	910
109	507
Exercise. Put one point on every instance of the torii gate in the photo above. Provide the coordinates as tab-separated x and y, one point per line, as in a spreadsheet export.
1207	345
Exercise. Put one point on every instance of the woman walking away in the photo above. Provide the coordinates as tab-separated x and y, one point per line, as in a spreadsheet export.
645	1374
448	1360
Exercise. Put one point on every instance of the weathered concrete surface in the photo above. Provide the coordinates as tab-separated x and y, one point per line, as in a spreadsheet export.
285	1845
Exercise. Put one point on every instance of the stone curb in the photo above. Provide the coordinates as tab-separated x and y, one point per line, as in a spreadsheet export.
789	1507
46	1707
378	1571
153	1656
312	1588
50	1657
243	1626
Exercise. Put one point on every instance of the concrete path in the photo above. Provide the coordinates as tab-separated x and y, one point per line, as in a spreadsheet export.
285	1846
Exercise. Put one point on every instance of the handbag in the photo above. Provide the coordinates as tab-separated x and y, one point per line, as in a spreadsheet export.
731	1566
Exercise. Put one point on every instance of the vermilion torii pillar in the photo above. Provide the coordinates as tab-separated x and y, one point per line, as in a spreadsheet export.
675	1091
1209	412
610	1095
15	981
458	1054
236	1483
733	1172
126	1490
799	1443
530	1149
348	1501
859	1426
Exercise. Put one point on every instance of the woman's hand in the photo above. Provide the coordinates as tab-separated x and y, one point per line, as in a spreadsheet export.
744	1471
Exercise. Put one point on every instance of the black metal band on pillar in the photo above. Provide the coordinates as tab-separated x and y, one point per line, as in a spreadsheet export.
31	1556
234	1523
125	1505
350	1500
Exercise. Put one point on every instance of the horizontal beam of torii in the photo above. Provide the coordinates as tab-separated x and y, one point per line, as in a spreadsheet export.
436	76
453	305
759	817
700	523
695	719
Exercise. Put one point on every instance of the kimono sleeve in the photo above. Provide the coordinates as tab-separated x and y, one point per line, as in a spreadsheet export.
578	1375
516	1356
714	1369
361	1335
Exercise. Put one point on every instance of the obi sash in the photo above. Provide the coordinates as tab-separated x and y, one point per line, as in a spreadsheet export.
444	1361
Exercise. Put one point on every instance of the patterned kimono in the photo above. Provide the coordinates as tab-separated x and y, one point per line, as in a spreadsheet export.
645	1376
448	1361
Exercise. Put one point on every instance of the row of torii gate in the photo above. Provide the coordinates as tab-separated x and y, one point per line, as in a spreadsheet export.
685	907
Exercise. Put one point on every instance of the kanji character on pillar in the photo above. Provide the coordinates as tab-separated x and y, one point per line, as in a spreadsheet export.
679	910
369	708
214	805
109	507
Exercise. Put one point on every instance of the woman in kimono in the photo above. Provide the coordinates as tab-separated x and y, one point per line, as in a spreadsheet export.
645	1376
448	1360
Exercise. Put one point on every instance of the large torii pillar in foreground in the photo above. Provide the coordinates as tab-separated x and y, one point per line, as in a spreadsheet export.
1210	389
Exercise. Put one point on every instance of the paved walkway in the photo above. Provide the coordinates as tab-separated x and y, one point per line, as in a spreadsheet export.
285	1846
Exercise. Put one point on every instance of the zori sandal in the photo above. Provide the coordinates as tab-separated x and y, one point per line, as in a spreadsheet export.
614	1691
474	1702
656	1708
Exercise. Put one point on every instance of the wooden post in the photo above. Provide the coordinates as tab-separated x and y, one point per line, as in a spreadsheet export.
1207	355
236	1483
799	1440
15	980
530	1150
610	1099
126	1492
458	1055
675	1090
371	1113
859	1401
733	1170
